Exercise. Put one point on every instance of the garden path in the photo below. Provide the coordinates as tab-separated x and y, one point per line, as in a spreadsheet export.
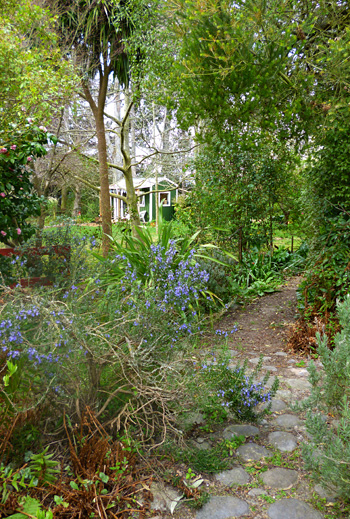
268	480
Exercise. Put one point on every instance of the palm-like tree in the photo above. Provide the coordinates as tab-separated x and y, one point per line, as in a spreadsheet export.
93	32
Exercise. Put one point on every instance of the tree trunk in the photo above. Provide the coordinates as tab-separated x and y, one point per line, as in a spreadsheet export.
77	201
131	196
271	233
64	195
104	183
98	110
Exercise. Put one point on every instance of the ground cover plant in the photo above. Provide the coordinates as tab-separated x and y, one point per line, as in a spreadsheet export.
258	273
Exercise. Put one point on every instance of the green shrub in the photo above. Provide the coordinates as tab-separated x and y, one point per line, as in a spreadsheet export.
328	453
327	277
120	352
227	388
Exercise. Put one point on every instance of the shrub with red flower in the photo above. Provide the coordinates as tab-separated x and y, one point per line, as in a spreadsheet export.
18	201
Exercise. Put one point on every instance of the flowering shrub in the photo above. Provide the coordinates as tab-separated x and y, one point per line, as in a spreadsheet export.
234	390
17	201
165	294
114	351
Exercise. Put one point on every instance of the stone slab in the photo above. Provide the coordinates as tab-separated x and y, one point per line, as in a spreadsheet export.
270	382
269	368
329	494
163	496
284	394
283	441
252	452
280	478
202	446
223	507
287	421
237	430
256	360
276	405
292	509
299	384
299	372
235	476
191	418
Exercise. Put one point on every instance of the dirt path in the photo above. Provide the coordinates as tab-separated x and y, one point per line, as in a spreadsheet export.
264	326
267	479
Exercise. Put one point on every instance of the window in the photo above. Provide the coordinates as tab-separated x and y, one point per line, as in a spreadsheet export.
142	201
164	198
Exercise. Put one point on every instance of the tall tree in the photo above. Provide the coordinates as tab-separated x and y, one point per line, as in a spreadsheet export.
35	79
283	64
95	31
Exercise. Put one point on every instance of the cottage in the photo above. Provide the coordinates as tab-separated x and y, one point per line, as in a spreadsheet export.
167	195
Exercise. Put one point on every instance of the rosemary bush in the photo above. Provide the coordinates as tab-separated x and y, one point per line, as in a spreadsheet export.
121	352
328	453
232	389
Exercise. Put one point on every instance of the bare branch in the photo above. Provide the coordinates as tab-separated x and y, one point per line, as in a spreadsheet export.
98	189
114	119
159	152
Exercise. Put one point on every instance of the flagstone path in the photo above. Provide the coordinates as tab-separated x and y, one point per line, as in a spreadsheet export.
268	480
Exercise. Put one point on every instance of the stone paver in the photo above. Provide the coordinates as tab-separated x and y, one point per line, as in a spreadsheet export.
283	441
276	430
299	384
223	507
269	368
163	496
280	478
284	394
329	494
300	372
276	405
238	430
256	360
292	509
235	476
252	452
288	421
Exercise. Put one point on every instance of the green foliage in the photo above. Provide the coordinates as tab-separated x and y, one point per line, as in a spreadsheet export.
134	252
43	467
17	200
97	30
327	277
110	349
7	272
328	453
208	461
33	75
232	389
31	507
220	275
40	471
282	66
